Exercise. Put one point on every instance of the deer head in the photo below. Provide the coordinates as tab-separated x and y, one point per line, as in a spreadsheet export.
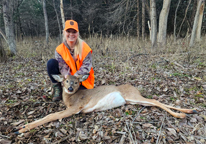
70	83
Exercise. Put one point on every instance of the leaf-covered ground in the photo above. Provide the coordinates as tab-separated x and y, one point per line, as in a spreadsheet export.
173	76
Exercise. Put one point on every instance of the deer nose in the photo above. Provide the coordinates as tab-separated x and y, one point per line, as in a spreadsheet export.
70	89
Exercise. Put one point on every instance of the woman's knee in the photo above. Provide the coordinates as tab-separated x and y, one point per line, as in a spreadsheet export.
52	63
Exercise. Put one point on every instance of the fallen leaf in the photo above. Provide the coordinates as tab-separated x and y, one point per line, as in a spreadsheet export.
58	134
193	120
30	113
147	125
3	141
172	131
203	116
17	123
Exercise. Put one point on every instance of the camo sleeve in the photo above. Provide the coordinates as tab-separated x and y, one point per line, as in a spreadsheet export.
63	67
86	66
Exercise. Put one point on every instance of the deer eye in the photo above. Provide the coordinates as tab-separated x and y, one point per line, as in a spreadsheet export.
75	82
67	81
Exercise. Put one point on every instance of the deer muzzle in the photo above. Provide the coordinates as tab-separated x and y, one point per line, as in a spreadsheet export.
70	89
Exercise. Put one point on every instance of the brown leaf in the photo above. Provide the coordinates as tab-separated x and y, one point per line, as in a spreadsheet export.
63	131
18	92
103	81
193	120
203	116
3	141
147	125
31	112
58	134
17	123
83	135
172	131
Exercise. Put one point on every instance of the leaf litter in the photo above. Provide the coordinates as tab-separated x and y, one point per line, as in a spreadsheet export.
24	97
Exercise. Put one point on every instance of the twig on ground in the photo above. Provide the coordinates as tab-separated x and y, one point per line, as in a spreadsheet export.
200	137
138	114
122	139
160	130
130	134
27	122
63	139
145	122
137	55
133	133
195	128
179	65
123	133
5	136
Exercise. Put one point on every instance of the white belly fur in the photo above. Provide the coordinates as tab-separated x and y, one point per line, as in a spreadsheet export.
110	101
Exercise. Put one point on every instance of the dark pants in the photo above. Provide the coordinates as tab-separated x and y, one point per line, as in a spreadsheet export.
53	68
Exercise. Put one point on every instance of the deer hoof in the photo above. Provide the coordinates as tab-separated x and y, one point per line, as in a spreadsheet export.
17	132
195	112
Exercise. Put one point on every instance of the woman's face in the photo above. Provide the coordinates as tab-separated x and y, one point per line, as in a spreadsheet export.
71	35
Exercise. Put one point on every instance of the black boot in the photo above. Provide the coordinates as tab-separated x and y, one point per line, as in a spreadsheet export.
57	96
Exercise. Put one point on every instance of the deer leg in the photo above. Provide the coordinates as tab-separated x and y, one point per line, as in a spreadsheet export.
189	111
152	102
51	117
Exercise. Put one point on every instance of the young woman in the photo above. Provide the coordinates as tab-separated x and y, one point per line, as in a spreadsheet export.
72	57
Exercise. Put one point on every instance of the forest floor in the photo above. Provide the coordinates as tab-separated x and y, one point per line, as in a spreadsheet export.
174	75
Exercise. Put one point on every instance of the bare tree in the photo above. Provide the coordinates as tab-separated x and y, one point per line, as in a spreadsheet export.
192	16
153	24
143	19
162	34
2	53
199	25
3	35
148	9
46	21
138	26
175	20
9	25
58	21
184	18
62	12
71	8
195	25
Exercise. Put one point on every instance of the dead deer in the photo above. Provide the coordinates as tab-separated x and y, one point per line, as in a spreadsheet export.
98	99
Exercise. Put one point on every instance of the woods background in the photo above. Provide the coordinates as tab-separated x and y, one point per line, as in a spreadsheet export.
165	60
20	19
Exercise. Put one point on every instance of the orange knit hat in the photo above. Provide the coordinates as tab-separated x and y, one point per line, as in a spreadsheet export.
71	24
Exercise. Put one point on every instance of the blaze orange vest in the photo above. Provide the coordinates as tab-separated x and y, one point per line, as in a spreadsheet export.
74	67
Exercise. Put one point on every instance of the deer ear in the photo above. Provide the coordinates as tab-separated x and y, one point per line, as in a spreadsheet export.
58	78
82	77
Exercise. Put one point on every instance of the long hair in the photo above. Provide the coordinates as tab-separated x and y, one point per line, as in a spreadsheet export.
77	47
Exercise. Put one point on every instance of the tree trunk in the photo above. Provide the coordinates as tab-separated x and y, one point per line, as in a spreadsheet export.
55	9
143	19
9	25
175	20
192	16
138	26
71	8
21	35
148	8
199	25
162	34
194	29
2	53
62	12
183	18
3	35
46	21
153	24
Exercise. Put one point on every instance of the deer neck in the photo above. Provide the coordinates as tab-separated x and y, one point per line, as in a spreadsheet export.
67	98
